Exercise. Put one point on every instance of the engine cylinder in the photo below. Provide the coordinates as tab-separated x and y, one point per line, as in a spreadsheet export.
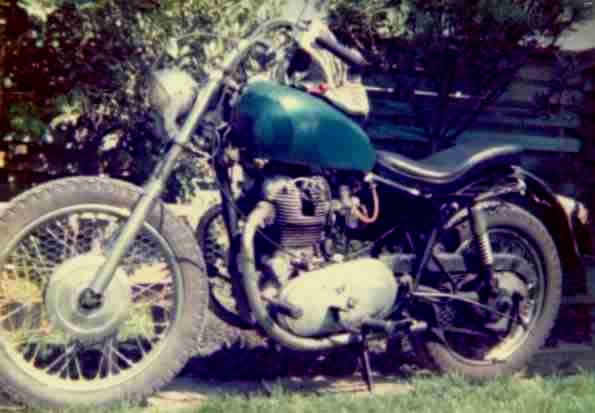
302	207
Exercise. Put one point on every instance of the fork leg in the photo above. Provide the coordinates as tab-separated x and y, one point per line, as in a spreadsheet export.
91	296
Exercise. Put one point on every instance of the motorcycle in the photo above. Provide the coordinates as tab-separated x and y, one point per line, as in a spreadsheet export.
105	294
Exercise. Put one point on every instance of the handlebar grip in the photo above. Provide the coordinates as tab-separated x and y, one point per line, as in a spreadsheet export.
353	57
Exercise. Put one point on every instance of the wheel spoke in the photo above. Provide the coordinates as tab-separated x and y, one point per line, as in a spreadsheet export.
466	331
100	364
42	260
65	354
122	357
77	364
144	290
158	300
140	345
63	369
35	353
109	358
31	336
16	311
35	243
70	232
60	241
478	344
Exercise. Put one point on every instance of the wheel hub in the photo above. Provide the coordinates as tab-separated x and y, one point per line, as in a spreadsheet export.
63	293
510	286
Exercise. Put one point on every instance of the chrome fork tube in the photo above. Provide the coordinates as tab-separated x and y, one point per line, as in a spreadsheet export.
152	192
91	296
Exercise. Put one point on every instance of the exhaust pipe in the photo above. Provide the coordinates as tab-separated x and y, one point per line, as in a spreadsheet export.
262	216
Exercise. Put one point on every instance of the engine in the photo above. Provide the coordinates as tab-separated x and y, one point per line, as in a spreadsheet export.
302	209
331	293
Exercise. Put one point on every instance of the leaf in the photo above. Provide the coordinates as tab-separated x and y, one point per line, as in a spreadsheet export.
172	48
39	9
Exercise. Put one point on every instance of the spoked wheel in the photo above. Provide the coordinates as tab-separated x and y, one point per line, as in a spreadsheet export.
215	243
57	353
481	343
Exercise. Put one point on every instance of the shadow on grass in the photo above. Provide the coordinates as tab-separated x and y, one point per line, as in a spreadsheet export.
263	362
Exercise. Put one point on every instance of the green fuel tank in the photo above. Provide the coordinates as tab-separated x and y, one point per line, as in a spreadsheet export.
288	125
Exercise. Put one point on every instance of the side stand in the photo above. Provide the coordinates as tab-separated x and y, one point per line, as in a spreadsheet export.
365	363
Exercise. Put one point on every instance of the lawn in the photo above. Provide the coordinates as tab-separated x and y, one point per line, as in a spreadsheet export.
574	393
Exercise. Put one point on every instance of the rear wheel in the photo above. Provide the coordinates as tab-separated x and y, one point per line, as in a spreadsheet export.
477	343
55	354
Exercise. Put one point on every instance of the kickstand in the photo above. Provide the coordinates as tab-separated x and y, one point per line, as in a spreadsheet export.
365	361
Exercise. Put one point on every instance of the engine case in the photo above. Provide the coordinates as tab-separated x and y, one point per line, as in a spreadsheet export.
338	295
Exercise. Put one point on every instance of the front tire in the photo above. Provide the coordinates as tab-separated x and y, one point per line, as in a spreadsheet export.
52	238
450	356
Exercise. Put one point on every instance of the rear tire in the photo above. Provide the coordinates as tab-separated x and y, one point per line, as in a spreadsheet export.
435	353
172	345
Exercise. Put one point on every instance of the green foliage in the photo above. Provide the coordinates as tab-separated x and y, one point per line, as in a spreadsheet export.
470	46
25	119
364	22
77	72
74	71
387	18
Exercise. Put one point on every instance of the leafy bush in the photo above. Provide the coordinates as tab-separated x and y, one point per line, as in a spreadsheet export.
471	46
77	71
72	72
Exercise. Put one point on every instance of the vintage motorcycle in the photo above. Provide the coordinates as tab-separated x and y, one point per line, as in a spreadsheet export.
104	294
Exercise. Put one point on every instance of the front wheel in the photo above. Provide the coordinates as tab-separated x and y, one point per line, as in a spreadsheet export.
466	340
54	353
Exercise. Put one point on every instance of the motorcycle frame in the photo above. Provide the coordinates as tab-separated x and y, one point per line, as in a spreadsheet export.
154	187
152	190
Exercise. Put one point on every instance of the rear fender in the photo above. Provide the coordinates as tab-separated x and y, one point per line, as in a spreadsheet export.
567	220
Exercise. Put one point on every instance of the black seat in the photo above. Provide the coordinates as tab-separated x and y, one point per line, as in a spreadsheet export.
449	167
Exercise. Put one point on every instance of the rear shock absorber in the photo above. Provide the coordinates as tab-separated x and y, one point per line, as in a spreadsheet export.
479	228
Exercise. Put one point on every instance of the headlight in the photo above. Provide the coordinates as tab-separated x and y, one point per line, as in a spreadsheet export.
172	93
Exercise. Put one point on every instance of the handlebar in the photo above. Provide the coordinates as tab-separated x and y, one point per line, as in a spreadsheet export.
238	54
213	85
350	56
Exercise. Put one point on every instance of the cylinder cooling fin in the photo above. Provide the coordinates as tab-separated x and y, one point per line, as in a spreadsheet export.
302	207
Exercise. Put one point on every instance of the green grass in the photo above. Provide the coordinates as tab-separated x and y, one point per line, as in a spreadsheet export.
429	395
432	395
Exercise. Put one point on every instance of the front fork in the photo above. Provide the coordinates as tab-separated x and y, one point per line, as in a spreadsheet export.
91	296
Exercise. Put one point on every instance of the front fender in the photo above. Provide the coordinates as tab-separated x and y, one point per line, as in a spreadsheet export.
568	222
